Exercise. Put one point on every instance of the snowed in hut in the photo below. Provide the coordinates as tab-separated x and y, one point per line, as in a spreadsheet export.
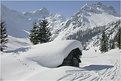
73	58
56	53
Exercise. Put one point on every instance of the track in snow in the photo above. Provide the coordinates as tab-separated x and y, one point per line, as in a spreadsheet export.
107	74
23	63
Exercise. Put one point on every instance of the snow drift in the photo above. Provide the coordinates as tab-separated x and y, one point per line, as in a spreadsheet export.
19	24
90	16
53	53
94	67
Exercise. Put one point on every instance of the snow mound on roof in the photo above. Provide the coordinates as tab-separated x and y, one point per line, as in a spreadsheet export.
53	53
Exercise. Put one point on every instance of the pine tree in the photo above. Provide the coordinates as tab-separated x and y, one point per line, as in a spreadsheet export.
34	34
104	43
44	32
119	38
3	36
112	44
40	32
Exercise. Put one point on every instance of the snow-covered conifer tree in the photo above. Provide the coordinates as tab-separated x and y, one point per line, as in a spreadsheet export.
104	43
3	36
34	34
40	32
119	38
44	31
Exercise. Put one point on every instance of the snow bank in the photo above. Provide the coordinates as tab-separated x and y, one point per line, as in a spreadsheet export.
15	68
14	43
53	53
94	67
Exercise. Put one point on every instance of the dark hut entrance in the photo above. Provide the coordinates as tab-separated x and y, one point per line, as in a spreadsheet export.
73	58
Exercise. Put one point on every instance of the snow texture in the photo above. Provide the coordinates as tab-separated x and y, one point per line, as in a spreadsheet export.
17	44
53	53
19	24
25	62
88	17
94	67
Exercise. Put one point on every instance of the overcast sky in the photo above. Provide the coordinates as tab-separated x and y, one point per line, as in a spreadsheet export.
65	8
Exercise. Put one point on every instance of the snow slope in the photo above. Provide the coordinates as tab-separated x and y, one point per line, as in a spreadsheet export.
24	62
16	23
17	44
53	53
19	24
55	24
94	67
88	17
34	15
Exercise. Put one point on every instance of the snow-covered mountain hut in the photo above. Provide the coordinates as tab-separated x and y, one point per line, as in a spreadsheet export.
73	58
56	53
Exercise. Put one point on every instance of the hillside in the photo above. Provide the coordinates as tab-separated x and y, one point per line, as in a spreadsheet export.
95	66
89	18
23	61
19	24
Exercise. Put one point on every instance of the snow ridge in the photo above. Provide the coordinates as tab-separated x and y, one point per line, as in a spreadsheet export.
88	17
19	24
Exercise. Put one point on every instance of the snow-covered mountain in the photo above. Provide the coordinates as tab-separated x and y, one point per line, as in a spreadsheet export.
19	24
17	44
34	15
29	62
89	21
93	38
55	20
90	16
84	25
16	22
55	24
25	66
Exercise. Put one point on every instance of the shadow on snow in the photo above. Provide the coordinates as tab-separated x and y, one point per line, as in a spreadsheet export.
24	49
97	67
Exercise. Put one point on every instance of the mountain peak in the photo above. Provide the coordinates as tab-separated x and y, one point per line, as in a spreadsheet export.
39	13
89	17
86	7
44	9
106	8
99	3
98	8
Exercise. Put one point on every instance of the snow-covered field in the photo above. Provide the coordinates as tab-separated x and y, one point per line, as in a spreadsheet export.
95	66
25	62
17	44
